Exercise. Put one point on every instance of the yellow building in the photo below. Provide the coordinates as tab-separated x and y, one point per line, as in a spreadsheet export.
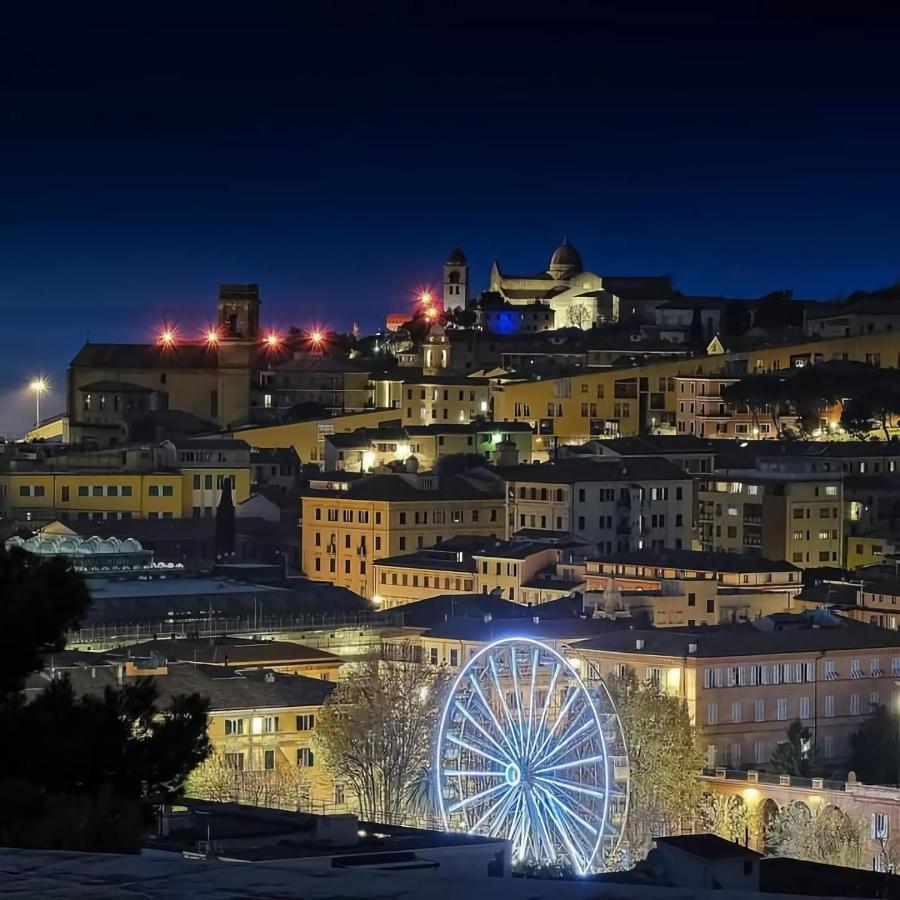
259	720
367	449
421	398
308	438
521	571
744	684
205	464
685	587
85	495
780	515
623	400
143	482
245	654
346	531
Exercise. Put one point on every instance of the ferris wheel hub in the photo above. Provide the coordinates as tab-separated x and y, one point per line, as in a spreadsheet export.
513	774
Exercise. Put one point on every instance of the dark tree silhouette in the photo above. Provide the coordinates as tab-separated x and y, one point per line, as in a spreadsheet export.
79	772
795	754
875	748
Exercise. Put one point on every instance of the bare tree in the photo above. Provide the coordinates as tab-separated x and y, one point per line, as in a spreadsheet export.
825	834
578	317
376	733
283	787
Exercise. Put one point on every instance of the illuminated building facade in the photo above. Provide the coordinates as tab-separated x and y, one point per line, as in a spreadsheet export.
778	515
346	530
644	502
744	684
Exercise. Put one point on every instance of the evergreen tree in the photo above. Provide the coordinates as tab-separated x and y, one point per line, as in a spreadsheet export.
79	773
794	756
875	748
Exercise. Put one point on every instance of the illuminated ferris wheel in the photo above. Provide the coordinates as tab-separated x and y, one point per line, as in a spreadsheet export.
528	752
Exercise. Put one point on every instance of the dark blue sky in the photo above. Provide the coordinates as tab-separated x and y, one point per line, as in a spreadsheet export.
335	154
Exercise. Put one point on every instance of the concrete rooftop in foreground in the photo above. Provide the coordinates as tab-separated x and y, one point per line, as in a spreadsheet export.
57	875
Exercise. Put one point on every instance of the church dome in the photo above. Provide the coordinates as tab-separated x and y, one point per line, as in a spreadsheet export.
565	259
456	258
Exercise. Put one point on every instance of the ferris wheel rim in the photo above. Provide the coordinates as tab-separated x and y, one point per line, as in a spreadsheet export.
587	859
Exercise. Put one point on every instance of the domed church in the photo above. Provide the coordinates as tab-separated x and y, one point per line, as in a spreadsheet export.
576	296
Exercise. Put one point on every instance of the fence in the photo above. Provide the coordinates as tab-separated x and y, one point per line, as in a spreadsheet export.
134	632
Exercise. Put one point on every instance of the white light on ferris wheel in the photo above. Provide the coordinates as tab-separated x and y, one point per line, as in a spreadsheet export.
526	751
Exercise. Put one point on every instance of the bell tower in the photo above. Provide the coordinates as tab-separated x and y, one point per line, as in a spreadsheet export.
239	311
456	280
435	351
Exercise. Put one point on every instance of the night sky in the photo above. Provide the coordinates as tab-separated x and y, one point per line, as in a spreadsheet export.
335	154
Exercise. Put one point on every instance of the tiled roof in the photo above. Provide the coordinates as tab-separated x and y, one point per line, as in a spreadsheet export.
225	688
788	633
146	356
397	489
233	652
698	560
572	471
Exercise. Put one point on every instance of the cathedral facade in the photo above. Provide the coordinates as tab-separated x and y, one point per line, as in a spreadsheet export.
576	296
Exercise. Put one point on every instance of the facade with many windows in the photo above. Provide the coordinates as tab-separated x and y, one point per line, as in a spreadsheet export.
619	504
744	684
803	515
346	531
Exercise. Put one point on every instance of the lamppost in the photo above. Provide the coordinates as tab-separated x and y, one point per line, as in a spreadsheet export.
39	385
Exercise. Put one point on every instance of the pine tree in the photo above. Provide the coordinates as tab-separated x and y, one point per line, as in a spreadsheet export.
79	773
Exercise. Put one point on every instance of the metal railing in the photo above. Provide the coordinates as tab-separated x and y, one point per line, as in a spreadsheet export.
217	626
752	776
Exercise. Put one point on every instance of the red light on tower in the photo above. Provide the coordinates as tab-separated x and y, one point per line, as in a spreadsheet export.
168	337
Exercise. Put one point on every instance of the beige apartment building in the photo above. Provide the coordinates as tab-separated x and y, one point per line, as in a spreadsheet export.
425	397
744	684
701	411
350	526
641	502
368	449
803	515
687	587
521	571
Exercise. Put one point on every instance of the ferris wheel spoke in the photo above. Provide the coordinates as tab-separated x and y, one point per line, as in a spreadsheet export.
514	669
505	803
572	813
553	679
518	834
569	765
512	728
535	658
576	788
462	804
472	773
559	717
494	806
578	734
562	828
475	749
542	832
476	684
468	715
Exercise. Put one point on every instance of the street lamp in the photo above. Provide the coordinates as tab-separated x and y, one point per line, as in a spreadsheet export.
39	385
